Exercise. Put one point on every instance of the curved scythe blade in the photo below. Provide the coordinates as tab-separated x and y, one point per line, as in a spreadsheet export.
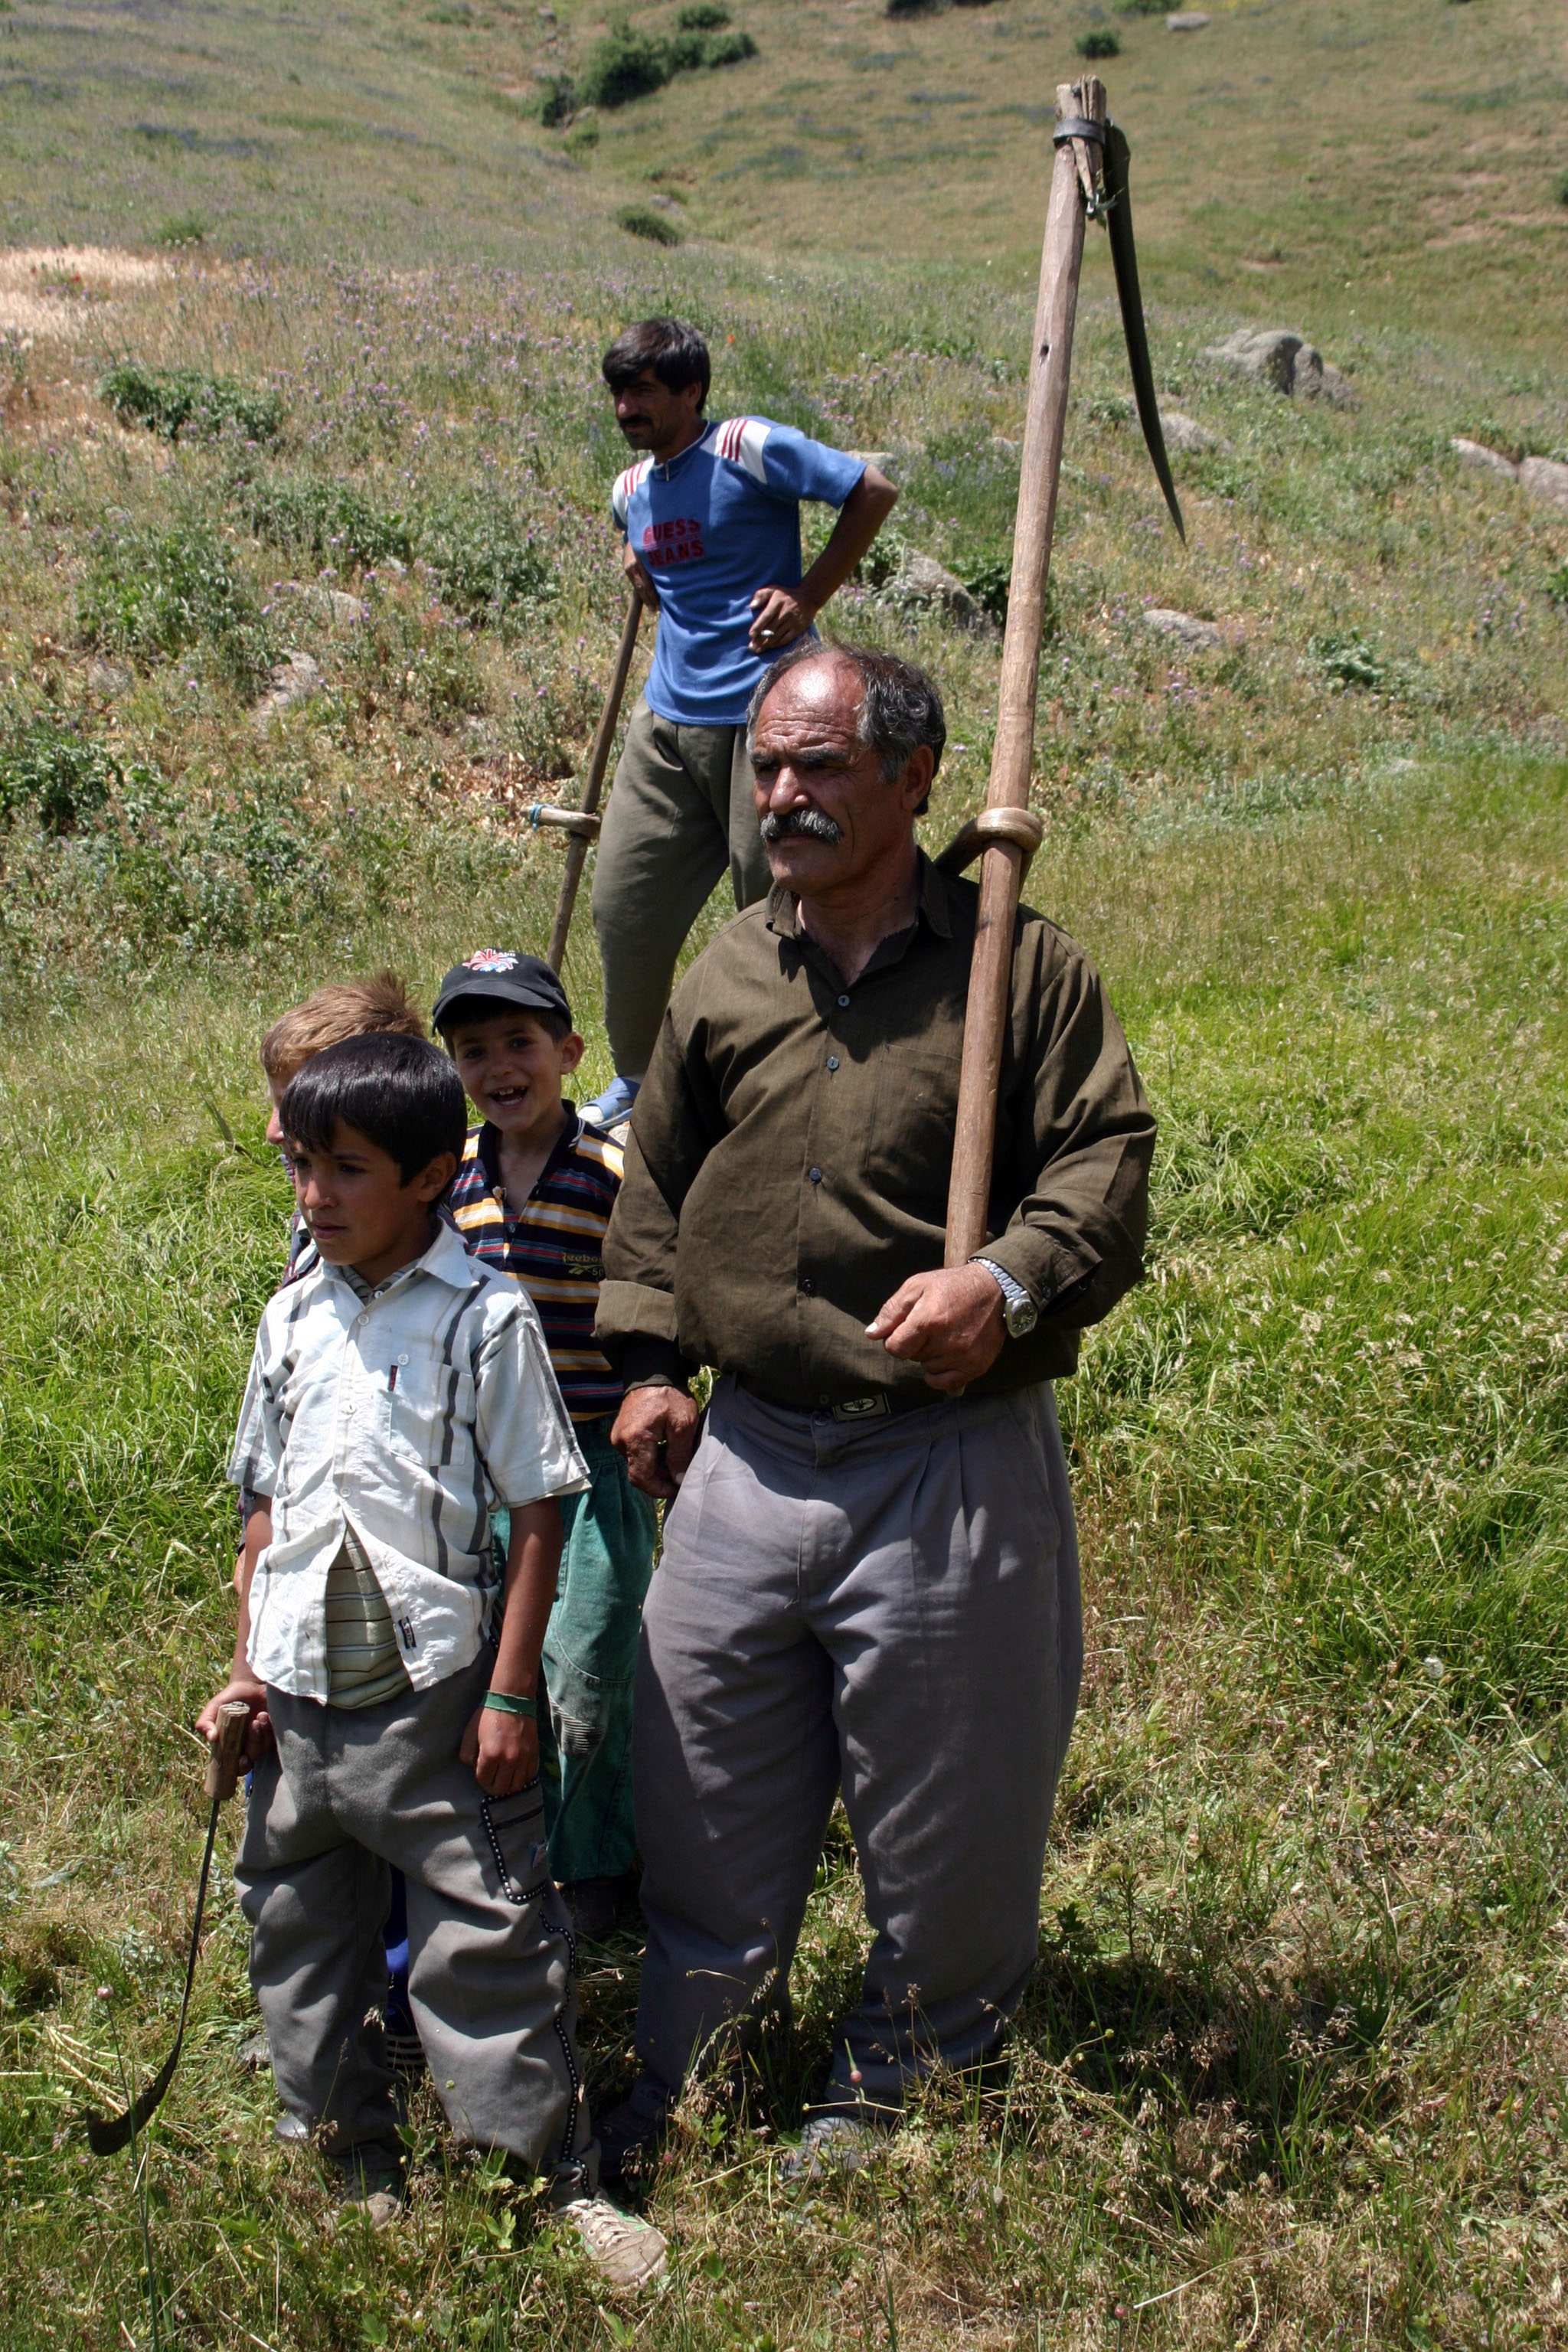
1119	219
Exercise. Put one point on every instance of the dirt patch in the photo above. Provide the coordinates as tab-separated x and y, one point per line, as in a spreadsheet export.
43	287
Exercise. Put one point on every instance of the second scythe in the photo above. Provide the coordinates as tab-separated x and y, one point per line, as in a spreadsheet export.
1089	182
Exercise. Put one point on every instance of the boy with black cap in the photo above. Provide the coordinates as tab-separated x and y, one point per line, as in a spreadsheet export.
532	1198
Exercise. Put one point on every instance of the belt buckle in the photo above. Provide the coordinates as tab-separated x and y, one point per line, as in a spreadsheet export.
863	1408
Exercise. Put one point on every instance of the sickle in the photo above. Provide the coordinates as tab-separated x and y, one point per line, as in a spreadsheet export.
107	2133
1115	208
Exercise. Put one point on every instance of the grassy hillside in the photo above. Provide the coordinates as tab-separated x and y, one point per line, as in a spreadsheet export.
328	325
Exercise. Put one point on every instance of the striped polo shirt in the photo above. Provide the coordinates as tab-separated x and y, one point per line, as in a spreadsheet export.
552	1246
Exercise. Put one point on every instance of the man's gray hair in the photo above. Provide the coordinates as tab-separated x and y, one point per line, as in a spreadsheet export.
899	706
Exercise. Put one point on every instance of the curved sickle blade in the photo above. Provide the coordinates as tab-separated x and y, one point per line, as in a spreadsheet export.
1119	219
107	2133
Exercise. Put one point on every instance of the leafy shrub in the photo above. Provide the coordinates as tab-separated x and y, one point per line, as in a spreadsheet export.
988	579
175	402
183	229
1557	585
150	592
1560	190
52	774
641	220
623	65
325	521
627	65
1142	7
557	102
483	558
1344	657
1101	41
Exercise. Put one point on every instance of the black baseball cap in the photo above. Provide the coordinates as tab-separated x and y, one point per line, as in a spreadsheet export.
500	976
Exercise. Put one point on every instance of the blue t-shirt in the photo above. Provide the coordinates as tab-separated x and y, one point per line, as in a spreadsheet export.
712	526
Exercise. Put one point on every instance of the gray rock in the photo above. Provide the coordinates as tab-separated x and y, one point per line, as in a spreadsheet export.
924	581
107	678
883	459
1314	379
1190	20
297	677
1002	448
1194	636
328	605
1283	360
1544	478
1186	431
1482	460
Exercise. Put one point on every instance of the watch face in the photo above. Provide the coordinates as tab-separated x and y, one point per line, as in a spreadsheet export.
1021	1316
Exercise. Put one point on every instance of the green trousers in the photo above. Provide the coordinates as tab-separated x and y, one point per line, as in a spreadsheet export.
590	1665
680	815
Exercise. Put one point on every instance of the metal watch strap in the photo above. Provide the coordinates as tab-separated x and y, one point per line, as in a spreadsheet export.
1019	1312
1013	1291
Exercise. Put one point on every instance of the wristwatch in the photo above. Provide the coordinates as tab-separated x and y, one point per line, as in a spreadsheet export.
1019	1311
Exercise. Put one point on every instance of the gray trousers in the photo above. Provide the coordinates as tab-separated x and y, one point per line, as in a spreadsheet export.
888	1607
679	812
348	1794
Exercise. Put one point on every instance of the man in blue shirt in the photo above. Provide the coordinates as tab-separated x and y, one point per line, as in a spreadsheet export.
710	520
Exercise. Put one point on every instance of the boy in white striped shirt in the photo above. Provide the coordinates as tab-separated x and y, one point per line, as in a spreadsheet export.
399	1391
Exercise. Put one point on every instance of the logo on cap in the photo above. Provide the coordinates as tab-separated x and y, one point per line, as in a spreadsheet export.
491	959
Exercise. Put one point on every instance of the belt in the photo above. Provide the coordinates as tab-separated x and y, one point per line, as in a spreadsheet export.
875	1404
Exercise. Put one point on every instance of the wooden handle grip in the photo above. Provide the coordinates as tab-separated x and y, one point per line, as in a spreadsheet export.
226	1752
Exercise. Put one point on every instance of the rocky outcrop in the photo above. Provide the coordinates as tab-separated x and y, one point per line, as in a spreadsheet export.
1283	360
1193	636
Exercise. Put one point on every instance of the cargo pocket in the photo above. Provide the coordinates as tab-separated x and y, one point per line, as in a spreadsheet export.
514	1831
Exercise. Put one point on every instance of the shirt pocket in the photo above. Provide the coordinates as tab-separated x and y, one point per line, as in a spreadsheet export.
909	1149
429	1412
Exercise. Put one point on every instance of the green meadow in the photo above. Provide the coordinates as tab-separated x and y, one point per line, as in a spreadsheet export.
300	313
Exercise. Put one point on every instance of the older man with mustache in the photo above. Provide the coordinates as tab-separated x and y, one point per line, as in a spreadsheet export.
869	1581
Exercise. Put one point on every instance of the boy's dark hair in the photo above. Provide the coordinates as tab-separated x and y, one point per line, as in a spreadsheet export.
554	1024
401	1093
667	348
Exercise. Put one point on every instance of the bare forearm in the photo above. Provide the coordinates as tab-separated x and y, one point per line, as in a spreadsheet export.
532	1566
258	1535
860	518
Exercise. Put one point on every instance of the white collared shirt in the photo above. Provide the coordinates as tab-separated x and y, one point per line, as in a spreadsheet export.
407	1415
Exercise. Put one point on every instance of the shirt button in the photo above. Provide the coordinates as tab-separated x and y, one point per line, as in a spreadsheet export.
843	999
814	1174
807	1288
833	1061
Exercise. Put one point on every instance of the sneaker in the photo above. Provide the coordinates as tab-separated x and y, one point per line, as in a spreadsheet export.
635	2128
829	2145
627	2252
369	2185
615	1105
595	1905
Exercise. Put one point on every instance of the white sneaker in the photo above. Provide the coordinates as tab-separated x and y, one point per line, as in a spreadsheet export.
627	2253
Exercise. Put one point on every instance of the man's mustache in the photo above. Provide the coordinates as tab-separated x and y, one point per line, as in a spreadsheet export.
812	824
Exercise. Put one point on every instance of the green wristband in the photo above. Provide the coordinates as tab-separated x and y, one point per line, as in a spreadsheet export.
504	1703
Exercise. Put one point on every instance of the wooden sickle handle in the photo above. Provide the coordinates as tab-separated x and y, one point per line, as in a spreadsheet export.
1021	827
226	1752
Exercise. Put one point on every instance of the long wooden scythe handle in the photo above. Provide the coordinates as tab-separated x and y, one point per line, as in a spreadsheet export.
599	760
1006	854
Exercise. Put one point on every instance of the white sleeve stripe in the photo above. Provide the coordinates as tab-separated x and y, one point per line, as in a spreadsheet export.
753	437
621	496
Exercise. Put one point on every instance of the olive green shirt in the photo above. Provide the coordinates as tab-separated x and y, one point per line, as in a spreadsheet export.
788	1162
